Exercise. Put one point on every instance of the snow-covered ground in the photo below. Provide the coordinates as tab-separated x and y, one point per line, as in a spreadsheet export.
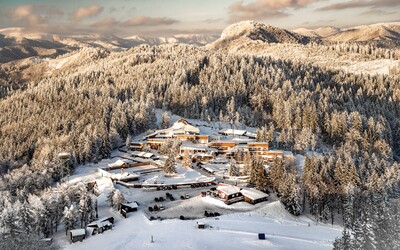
236	228
232	231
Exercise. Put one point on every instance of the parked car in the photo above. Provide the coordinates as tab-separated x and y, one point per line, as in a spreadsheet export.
161	207
187	196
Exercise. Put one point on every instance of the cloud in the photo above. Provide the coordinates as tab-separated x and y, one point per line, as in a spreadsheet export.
212	20
106	22
149	21
85	12
361	3
377	12
263	9
34	14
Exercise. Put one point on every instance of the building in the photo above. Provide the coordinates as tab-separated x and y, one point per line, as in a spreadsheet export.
253	196
155	143
76	235
222	146
272	155
128	207
137	146
232	132
229	194
144	155
192	149
99	226
203	139
258	148
180	129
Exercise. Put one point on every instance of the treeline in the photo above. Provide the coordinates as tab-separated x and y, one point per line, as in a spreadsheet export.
42	213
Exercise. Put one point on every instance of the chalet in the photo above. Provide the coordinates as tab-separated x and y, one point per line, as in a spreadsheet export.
203	139
273	154
76	235
253	196
99	226
155	143
144	155
192	149
180	129
232	132
185	137
202	157
258	148
120	163
237	132
229	194
222	146
128	207
137	146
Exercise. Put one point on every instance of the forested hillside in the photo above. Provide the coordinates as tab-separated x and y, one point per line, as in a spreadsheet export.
90	107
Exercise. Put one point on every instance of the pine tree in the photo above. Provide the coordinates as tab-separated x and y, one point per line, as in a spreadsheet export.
187	160
69	218
169	165
165	120
233	171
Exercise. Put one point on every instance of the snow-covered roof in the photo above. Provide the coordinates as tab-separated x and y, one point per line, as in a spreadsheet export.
77	232
119	163
228	189
99	223
131	205
253	194
257	143
232	131
138	159
193	147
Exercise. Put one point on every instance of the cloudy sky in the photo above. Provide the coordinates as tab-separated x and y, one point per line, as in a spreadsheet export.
168	17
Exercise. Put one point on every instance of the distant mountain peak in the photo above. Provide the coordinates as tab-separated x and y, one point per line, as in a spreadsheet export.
248	31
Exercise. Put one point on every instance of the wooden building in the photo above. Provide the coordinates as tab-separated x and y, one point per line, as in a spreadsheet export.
229	194
222	146
99	226
137	146
203	139
258	148
155	143
75	235
253	196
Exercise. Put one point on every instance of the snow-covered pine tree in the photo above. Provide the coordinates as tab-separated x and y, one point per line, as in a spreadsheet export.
187	160
166	120
70	217
169	165
233	170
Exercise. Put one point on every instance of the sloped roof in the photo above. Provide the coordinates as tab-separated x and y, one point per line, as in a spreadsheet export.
228	189
253	194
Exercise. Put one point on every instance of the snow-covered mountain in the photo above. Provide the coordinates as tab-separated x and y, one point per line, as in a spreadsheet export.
373	32
245	32
16	44
195	39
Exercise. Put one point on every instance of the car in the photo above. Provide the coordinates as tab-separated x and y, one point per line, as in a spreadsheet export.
161	207
161	199
187	196
182	197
